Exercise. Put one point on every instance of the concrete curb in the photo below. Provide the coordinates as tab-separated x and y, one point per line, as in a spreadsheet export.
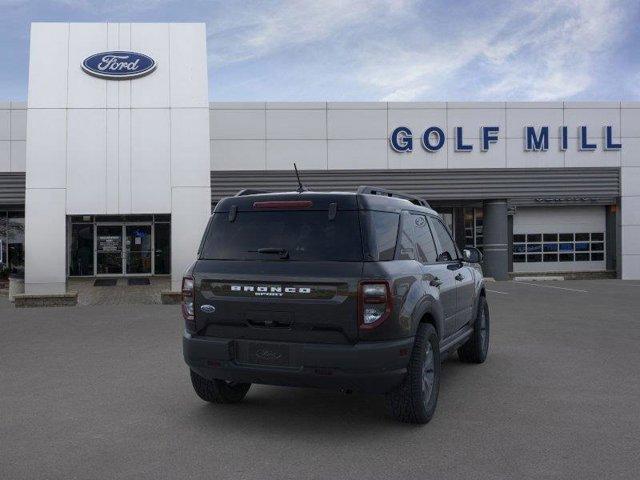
69	299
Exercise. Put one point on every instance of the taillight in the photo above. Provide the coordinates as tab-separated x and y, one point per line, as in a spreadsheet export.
187	301
374	299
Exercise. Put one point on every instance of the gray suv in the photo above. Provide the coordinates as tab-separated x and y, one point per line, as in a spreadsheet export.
361	291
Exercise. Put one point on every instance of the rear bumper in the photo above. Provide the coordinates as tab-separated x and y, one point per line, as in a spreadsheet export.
374	367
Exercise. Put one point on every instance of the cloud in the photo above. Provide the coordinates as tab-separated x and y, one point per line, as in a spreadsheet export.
408	50
263	28
548	50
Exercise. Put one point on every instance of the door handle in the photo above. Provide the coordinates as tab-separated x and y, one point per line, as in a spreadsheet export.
436	282
459	277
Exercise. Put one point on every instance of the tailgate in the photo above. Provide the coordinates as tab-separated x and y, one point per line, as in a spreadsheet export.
278	301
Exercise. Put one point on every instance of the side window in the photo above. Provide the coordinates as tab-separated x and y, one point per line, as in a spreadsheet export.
447	250
382	242
425	246
406	249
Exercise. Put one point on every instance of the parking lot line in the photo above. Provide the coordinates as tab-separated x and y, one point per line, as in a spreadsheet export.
496	291
551	286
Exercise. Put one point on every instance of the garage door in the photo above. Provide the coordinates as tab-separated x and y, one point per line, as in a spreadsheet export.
559	239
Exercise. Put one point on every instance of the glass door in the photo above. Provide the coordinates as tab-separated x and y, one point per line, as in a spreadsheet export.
109	249
139	249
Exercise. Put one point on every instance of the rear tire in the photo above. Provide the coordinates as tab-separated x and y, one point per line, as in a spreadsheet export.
218	391
477	347
415	399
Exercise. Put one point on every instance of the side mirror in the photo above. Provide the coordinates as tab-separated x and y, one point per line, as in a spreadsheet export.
472	255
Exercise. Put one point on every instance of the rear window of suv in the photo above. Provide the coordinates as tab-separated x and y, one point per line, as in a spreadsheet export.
305	235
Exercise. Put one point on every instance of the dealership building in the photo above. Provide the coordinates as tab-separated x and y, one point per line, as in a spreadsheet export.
113	164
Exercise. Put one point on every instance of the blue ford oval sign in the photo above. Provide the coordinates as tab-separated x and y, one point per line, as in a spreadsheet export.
118	65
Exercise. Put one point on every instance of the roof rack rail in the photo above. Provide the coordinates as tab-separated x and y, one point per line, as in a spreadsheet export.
249	191
368	190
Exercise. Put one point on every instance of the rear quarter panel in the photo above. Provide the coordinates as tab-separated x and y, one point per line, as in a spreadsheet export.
412	299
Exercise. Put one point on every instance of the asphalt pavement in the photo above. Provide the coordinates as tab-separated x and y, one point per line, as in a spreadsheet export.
102	392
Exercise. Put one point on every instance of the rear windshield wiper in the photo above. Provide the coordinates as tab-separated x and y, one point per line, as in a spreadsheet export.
284	254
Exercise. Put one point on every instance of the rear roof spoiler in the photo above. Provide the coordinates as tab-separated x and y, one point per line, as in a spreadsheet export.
362	190
249	191
368	190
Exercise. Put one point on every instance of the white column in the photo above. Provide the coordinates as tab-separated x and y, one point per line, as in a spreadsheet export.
630	191
630	223
45	241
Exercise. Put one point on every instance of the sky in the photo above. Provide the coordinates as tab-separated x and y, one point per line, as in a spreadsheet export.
377	50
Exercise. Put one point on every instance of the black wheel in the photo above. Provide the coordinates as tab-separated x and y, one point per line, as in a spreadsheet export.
414	401
218	391
477	347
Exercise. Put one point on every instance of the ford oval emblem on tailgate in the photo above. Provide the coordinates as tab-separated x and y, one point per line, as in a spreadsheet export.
208	308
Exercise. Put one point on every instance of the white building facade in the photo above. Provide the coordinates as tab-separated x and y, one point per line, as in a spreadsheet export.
121	174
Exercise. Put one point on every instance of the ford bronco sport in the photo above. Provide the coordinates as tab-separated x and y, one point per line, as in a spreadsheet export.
362	291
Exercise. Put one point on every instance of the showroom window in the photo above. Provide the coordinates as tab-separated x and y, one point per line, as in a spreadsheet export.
11	242
558	247
473	227
116	245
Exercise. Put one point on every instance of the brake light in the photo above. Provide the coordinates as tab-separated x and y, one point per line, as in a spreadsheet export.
283	204
187	301
374	300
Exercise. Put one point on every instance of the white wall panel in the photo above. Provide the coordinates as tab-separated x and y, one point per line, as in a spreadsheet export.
190	208
598	158
357	124
188	54
630	267
592	118
5	156
45	241
152	91
47	148
630	153
113	43
630	181
356	105
495	157
86	91
357	154
48	62
238	124
86	161
296	105
631	239
111	162
238	155
124	161
518	118
18	124
517	157
296	124
190	164
419	105
150	161
5	124
630	211
418	158
18	156
307	154
630	120
472	119
124	86
418	120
